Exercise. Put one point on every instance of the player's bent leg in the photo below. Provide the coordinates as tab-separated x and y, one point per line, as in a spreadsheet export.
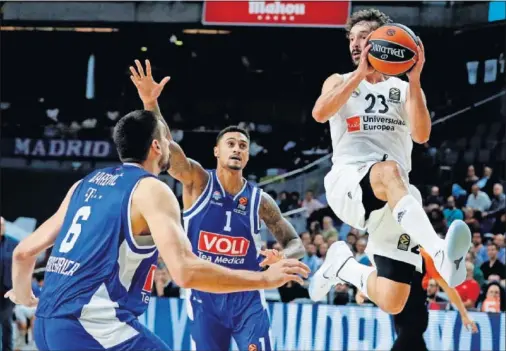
39	335
390	290
207	332
388	286
388	181
253	333
72	334
146	340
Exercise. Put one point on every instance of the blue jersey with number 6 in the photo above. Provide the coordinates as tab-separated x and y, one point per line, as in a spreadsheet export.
97	270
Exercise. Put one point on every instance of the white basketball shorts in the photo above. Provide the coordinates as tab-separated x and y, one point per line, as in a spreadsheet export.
386	236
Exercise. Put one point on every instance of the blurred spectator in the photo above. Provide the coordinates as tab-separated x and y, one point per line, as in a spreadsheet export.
351	240
311	260
163	285
469	290
322	251
318	240
499	241
306	238
294	201
471	221
493	265
498	203
341	294
486	181
311	204
434	200
284	201
7	246
331	240
499	225
471	178
479	250
432	295
477	274
361	256
452	213
478	200
315	228
328	228
494	298
437	221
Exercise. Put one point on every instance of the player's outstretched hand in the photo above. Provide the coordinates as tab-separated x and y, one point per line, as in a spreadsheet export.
32	302
148	89
284	271
271	257
470	325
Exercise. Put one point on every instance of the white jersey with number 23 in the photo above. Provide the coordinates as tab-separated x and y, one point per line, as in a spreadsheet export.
373	125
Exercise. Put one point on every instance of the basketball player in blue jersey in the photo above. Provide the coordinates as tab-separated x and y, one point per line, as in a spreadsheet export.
222	214
106	236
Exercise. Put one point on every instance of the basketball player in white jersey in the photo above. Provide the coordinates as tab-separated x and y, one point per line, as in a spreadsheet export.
373	120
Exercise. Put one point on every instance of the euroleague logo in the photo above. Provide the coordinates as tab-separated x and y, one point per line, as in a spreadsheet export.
243	201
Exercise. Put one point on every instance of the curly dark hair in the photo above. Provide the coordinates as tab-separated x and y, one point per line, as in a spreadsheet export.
369	15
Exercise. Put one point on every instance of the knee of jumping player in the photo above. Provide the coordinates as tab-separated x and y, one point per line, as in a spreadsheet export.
389	170
391	297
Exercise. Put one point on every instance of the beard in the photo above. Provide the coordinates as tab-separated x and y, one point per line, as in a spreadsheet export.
355	62
164	165
234	167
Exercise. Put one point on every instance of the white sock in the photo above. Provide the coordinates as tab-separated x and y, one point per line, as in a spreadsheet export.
357	274
411	216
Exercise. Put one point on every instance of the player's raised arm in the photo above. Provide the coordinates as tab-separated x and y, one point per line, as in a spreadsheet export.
336	91
282	229
25	254
159	208
416	106
182	168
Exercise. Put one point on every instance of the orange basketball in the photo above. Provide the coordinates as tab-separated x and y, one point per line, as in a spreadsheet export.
394	49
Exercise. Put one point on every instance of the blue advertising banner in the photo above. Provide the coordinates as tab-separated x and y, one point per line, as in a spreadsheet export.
325	327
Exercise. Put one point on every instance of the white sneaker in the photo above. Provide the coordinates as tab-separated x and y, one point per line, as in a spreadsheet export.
450	261
327	275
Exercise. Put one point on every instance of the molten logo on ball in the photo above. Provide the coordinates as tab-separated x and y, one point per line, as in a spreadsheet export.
379	48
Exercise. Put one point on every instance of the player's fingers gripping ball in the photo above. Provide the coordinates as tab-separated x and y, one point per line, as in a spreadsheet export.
394	49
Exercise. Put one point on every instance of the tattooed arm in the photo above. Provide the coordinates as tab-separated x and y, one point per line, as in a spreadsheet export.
187	171
279	226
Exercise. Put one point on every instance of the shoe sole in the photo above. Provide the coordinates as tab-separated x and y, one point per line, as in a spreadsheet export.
459	242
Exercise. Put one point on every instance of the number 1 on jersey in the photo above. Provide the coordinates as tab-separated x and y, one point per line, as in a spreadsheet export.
229	218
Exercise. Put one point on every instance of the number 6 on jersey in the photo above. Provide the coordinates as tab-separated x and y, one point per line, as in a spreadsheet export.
75	229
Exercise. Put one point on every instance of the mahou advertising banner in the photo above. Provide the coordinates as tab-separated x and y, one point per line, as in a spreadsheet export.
277	13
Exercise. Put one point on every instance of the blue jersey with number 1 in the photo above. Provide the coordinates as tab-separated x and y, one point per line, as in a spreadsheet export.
224	229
